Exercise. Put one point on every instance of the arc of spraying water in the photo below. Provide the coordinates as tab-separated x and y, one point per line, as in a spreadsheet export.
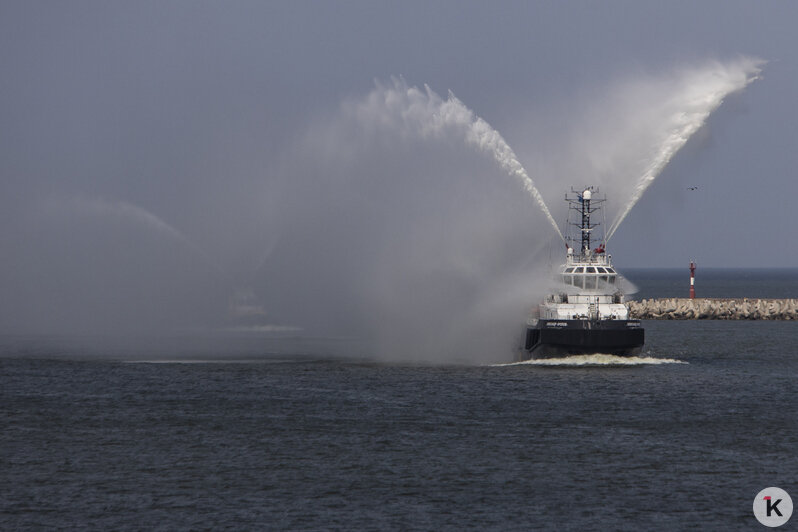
734	79
490	140
424	113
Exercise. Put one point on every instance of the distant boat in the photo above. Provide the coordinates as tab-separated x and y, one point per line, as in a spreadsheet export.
585	314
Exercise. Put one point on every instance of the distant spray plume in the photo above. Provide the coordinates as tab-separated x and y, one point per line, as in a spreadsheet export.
119	209
390	232
698	92
410	110
125	211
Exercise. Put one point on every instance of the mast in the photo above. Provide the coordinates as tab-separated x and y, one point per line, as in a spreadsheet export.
584	204
586	196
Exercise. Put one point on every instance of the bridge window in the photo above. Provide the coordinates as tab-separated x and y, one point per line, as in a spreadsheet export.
591	269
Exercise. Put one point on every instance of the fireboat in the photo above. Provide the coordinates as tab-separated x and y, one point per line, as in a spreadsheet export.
585	313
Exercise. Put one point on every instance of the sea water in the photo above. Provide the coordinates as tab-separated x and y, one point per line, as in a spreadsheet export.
253	433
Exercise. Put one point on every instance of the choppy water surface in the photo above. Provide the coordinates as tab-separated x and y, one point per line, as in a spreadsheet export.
245	439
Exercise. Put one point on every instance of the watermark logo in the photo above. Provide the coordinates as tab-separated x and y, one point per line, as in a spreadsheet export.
772	507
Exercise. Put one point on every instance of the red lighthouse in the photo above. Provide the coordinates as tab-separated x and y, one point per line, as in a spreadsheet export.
692	280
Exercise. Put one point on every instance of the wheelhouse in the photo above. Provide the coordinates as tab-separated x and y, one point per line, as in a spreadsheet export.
589	277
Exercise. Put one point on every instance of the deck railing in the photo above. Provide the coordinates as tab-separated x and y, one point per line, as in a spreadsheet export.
599	259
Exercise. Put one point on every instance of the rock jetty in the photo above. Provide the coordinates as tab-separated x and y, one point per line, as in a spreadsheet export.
714	309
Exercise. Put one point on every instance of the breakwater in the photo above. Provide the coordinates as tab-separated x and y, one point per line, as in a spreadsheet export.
714	309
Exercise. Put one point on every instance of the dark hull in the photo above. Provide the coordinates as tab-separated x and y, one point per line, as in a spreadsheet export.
558	338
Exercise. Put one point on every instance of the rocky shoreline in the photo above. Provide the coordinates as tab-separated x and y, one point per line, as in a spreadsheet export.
714	309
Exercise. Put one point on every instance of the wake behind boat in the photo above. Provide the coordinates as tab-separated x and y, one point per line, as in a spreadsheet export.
586	312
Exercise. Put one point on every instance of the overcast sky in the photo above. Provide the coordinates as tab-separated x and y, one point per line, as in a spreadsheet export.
190	118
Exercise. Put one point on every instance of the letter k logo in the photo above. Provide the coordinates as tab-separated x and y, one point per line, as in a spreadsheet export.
772	506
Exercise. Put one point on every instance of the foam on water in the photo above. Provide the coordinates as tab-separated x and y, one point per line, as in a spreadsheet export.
597	359
213	361
261	329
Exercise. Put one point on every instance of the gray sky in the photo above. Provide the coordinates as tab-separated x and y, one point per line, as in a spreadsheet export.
195	120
